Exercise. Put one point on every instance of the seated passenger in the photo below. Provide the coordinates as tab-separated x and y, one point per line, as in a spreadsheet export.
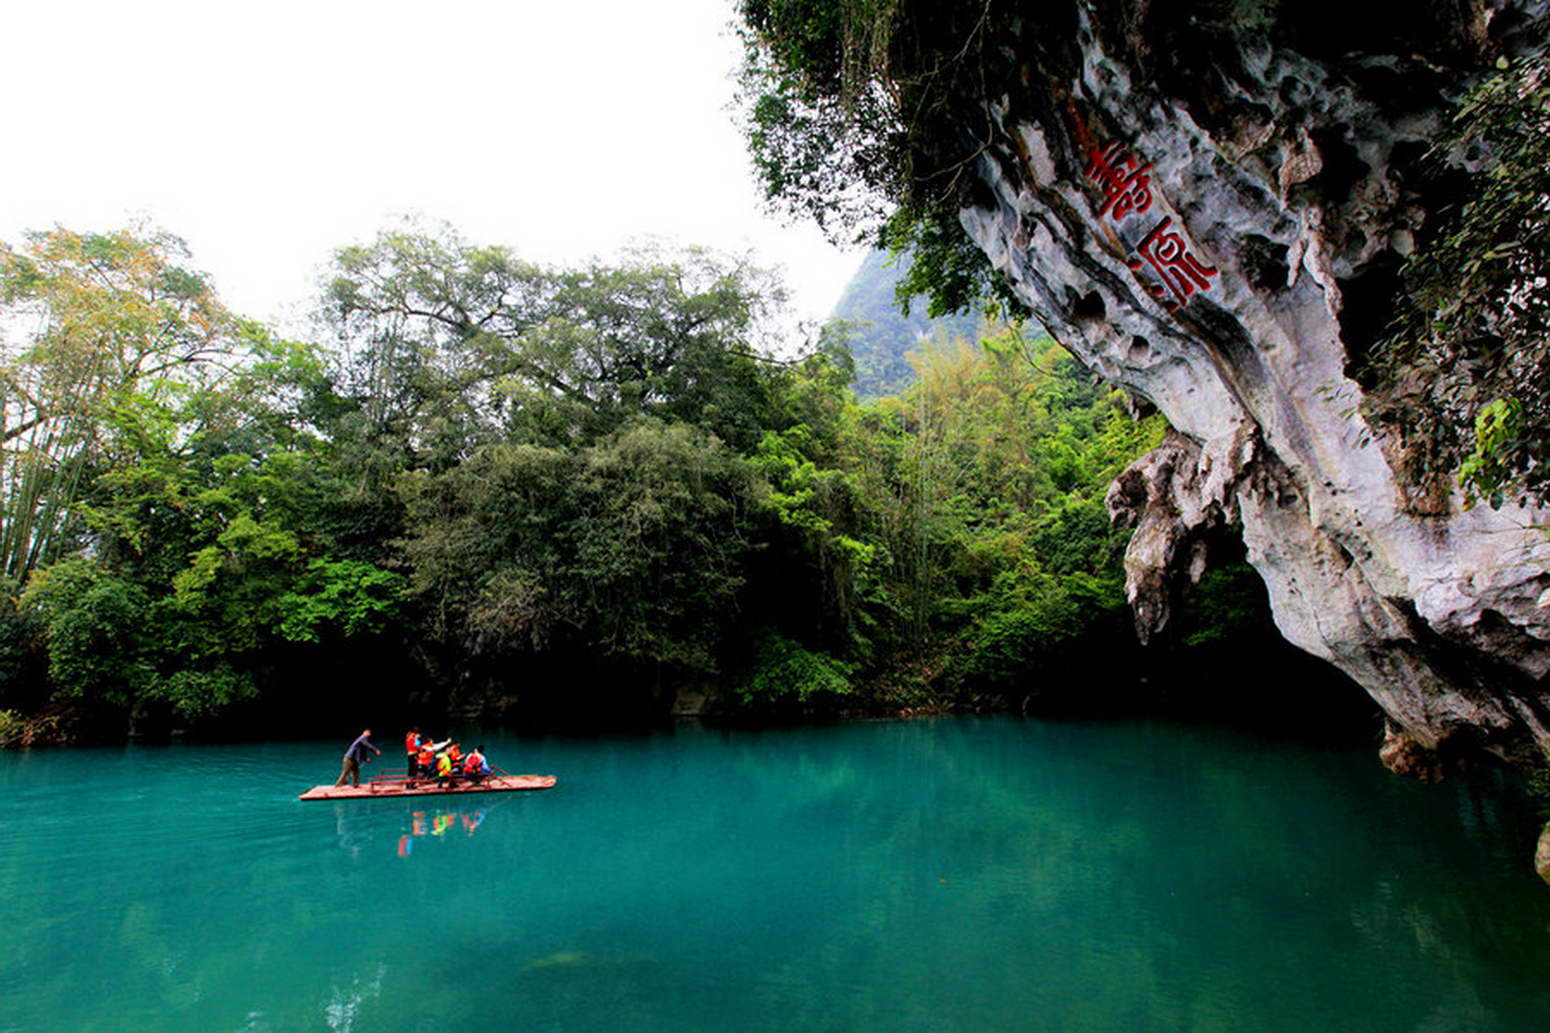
445	772
426	758
475	766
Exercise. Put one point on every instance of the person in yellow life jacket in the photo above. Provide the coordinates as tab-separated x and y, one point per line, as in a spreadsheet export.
444	769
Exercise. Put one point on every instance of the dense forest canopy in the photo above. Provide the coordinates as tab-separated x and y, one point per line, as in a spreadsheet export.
490	487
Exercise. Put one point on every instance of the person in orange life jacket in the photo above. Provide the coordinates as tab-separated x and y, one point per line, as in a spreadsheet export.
353	757
427	756
474	765
412	751
455	752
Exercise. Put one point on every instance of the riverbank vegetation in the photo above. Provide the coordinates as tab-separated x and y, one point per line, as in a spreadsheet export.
488	488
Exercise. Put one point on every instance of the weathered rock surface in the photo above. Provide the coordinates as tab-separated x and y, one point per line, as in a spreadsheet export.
1254	262
1542	855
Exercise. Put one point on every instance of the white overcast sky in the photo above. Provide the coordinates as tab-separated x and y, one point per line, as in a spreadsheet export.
267	134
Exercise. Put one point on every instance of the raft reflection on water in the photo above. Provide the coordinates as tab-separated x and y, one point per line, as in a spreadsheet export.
356	831
439	825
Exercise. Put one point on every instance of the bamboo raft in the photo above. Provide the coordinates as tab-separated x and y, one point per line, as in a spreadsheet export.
401	785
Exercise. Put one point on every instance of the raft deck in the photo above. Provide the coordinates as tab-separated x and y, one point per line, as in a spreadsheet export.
399	786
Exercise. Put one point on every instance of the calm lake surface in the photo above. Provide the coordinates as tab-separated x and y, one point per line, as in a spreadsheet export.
972	875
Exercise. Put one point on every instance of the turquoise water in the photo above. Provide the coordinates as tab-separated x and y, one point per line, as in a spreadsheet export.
956	875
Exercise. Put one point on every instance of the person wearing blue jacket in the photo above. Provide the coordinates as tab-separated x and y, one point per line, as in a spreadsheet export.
354	757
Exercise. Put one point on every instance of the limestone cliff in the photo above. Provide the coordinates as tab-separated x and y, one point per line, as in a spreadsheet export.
1212	215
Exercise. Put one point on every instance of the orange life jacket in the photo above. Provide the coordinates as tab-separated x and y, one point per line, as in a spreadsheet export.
456	752
426	757
473	762
412	743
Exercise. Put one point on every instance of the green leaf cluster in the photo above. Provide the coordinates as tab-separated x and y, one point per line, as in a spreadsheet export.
859	115
1471	344
784	672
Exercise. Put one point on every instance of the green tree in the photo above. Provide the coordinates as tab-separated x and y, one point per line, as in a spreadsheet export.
446	346
629	550
100	645
848	109
114	324
188	557
986	482
783	671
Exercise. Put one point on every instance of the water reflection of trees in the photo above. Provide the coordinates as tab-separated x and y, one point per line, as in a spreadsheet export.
1184	883
954	875
960	874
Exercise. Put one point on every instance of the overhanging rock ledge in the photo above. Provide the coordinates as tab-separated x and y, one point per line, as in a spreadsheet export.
1214	231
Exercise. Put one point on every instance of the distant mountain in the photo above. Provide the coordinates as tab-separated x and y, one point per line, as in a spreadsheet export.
883	333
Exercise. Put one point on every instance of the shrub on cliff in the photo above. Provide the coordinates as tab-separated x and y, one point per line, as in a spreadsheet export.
1467	368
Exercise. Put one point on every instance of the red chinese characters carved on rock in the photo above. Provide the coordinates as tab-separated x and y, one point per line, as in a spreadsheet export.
1168	255
1126	182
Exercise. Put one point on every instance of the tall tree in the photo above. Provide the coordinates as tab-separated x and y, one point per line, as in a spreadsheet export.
445	345
109	324
625	555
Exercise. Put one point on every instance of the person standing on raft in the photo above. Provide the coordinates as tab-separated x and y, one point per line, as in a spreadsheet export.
353	758
412	751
